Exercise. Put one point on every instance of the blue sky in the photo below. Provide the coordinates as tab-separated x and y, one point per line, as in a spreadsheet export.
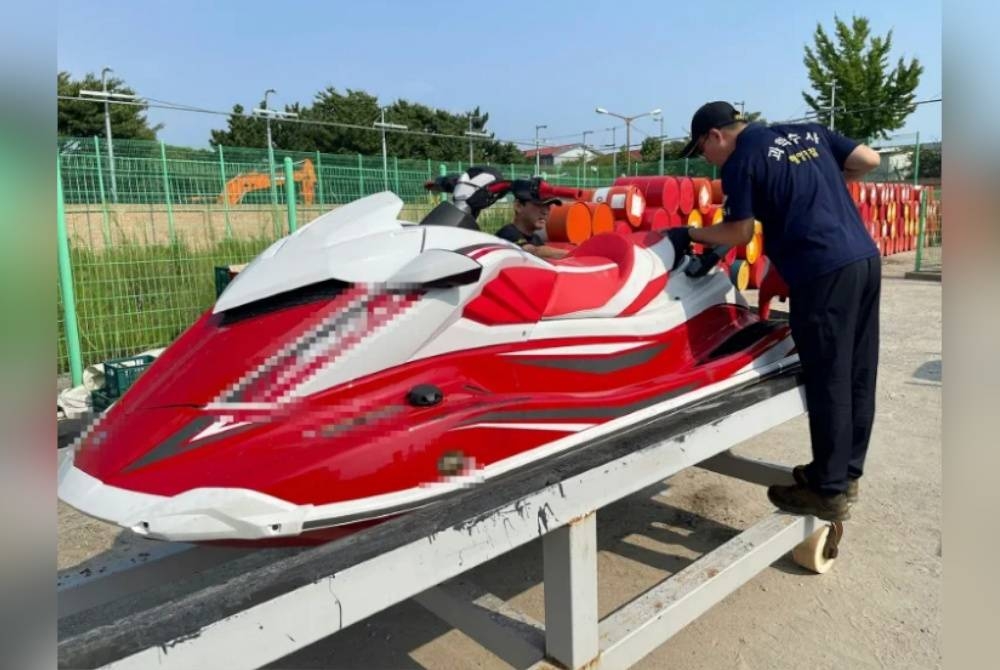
526	63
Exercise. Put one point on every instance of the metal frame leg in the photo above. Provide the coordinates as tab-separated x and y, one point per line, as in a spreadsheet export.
570	572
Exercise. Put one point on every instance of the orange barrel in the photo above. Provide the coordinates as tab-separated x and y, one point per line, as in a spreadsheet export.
624	228
694	219
862	193
713	216
686	188
627	202
739	274
717	194
873	193
655	218
855	189
662	192
730	256
602	219
569	223
702	194
750	252
631	181
758	271
866	212
676	220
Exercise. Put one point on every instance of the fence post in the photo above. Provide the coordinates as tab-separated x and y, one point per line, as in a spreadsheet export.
166	192
395	170
920	229
66	284
685	167
290	195
442	170
916	162
361	176
104	200
319	179
225	193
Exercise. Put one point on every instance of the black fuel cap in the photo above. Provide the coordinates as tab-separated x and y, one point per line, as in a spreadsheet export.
424	395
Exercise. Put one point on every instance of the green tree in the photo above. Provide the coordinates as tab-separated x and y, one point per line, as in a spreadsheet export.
326	126
85	118
930	164
871	97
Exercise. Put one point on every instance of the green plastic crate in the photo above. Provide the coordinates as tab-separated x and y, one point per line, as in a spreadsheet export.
119	375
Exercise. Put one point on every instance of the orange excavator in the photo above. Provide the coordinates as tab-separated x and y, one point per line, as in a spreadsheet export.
303	173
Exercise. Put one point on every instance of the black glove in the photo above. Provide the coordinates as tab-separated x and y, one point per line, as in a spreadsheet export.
680	238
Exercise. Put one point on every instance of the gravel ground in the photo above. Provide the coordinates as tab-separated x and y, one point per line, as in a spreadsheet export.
880	606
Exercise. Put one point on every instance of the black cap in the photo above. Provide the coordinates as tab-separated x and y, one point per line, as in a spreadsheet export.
526	190
718	114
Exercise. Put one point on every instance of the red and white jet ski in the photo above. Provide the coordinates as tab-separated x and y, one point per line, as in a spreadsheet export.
365	366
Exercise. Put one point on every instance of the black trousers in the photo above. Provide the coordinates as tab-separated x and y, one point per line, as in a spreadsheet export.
835	323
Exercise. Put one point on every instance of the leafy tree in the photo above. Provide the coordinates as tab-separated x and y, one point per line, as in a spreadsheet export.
85	118
871	97
361	109
930	164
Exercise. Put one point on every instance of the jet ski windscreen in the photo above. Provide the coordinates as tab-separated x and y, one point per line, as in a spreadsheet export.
447	214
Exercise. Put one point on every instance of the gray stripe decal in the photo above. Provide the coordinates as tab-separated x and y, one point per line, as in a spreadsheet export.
578	412
482	245
177	443
601	365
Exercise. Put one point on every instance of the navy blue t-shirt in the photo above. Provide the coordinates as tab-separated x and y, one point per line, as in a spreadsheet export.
512	233
790	178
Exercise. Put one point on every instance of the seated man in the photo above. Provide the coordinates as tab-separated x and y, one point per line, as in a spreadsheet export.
530	215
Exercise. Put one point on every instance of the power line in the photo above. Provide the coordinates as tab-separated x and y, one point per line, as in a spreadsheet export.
155	103
815	115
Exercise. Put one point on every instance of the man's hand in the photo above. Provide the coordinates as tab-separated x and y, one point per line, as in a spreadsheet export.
680	238
545	251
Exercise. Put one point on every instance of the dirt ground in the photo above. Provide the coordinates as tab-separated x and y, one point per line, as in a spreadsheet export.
880	606
198	226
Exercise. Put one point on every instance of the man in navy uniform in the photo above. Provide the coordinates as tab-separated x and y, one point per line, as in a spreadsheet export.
531	213
792	179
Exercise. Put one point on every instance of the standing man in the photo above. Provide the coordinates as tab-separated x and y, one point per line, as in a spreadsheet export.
791	178
531	213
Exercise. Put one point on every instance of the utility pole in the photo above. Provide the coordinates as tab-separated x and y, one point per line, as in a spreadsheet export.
268	114
270	147
107	95
742	104
107	130
628	131
661	143
385	152
584	154
614	154
833	102
538	157
473	133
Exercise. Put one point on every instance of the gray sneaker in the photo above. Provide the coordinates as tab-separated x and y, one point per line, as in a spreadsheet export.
799	473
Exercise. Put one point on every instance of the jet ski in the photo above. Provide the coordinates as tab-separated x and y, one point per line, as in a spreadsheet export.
365	366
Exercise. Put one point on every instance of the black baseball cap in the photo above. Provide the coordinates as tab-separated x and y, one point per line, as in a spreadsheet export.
718	114
525	190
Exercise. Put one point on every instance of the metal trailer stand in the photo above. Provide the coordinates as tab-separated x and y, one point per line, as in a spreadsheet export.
256	606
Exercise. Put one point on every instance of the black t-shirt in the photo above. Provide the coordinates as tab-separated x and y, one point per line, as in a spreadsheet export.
790	178
512	233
